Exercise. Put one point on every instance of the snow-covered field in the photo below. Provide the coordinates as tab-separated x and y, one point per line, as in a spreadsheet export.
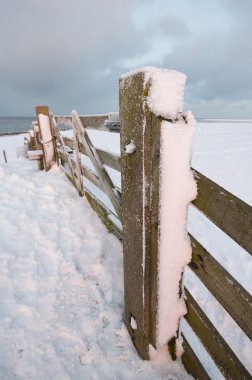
61	287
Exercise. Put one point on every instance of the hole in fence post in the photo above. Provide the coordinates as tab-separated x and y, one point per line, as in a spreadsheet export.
133	322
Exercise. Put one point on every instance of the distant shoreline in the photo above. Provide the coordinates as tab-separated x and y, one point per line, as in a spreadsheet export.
12	133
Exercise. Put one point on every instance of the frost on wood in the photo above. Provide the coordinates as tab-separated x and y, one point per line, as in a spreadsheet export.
177	189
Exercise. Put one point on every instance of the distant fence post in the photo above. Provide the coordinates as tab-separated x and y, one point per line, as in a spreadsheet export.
46	137
5	158
140	149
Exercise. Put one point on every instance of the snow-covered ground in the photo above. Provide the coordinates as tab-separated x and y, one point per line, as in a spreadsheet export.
222	151
61	285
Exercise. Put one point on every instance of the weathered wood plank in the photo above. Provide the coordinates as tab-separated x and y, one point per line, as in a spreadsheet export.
62	155
229	213
54	136
78	162
92	177
109	159
103	212
140	172
38	144
88	173
67	158
192	363
152	172
231	295
35	154
107	183
94	121
97	122
32	141
69	177
46	137
221	353
69	142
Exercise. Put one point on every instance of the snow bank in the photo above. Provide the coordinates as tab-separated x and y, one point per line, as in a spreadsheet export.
61	289
177	189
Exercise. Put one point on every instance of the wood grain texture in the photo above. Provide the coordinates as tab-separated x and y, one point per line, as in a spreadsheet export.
92	177
109	159
231	295
107	183
78	163
192	363
103	212
224	358
47	139
96	122
140	173
229	213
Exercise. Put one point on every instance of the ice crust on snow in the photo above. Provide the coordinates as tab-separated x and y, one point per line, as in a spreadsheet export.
177	189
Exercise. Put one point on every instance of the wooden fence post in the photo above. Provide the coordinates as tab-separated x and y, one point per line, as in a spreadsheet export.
140	200
46	137
78	162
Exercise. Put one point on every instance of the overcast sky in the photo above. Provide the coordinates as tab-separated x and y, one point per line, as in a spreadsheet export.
69	54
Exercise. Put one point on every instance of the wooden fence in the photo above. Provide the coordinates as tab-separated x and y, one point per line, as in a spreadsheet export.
136	207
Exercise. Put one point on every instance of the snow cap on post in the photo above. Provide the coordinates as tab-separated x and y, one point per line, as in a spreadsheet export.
166	90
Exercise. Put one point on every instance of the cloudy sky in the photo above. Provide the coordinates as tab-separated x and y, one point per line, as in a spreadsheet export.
69	54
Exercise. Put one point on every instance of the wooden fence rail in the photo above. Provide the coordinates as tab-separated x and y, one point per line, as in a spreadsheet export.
136	206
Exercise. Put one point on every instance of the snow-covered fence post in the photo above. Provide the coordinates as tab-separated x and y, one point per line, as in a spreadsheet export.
140	176
46	137
157	186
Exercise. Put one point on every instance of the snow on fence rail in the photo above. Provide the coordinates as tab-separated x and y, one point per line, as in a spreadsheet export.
142	163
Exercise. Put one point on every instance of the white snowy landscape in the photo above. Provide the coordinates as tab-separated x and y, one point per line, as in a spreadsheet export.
65	311
62	276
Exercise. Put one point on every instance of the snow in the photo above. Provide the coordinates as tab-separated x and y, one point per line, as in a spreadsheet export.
130	148
231	332
46	136
222	151
166	92
61	288
202	354
177	189
133	323
44	122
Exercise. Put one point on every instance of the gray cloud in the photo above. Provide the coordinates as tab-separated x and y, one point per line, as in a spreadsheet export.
71	54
